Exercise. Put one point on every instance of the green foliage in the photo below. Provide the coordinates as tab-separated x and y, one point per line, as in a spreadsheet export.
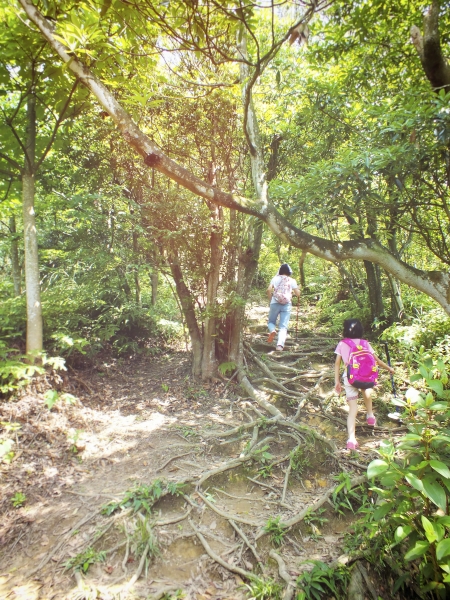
345	497
73	436
262	455
14	370
424	334
227	367
265	471
300	456
276	530
6	453
315	517
322	580
18	499
264	589
83	560
143	497
173	595
413	486
51	397
186	431
142	537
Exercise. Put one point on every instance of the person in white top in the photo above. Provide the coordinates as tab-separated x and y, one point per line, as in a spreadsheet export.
279	292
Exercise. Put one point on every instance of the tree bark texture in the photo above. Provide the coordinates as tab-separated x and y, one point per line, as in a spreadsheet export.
187	306
15	263
373	283
209	362
154	284
435	284
429	49
32	279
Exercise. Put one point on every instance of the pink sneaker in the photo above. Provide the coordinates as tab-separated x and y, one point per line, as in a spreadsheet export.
352	445
371	421
279	348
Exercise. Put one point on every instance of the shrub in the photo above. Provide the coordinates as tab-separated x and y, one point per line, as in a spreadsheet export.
410	521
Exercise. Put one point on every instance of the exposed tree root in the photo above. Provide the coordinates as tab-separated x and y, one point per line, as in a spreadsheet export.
218	559
162	467
290	589
250	546
226	515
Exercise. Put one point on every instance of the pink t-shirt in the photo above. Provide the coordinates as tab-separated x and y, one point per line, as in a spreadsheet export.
344	350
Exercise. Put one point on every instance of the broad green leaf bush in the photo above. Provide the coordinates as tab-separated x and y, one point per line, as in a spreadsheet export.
323	581
12	319
14	371
410	521
426	334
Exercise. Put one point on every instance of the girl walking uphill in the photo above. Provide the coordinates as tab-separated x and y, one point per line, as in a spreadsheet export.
279	293
360	363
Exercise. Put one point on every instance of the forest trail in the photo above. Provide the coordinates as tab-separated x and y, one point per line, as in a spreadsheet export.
143	421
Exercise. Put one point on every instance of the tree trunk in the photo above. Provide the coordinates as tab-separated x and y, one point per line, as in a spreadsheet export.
249	256
32	280
16	271
188	309
137	285
123	281
209	362
346	276
301	269
429	49
154	285
398	308
374	290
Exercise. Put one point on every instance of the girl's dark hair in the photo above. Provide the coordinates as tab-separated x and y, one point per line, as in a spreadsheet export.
285	270
353	329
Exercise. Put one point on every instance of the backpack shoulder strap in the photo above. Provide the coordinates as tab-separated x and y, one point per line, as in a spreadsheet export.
350	343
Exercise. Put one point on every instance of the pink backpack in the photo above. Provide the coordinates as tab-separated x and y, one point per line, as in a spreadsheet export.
283	291
362	370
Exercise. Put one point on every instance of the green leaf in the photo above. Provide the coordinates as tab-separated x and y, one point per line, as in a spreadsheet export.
438	406
412	437
382	510
417	550
377	467
443	549
424	372
441	468
434	492
429	530
402	532
400	581
436	386
414	481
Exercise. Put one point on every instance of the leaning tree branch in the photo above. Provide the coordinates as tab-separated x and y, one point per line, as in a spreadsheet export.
429	49
435	284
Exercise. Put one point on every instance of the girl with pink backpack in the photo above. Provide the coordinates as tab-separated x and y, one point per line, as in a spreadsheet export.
361	373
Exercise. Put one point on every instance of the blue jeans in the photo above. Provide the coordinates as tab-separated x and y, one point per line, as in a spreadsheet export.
284	310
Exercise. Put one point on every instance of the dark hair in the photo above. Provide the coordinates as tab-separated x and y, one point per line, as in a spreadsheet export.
353	329
285	270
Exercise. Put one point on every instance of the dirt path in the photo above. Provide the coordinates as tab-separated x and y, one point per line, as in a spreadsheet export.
142	424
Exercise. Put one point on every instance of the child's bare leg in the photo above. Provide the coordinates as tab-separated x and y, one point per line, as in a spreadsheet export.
367	397
351	419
